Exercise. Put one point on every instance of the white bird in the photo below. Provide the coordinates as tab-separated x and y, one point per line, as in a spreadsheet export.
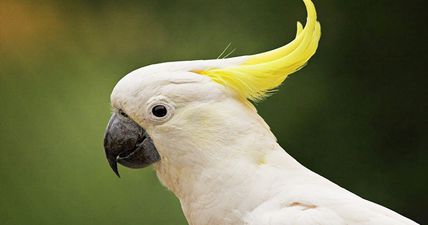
194	121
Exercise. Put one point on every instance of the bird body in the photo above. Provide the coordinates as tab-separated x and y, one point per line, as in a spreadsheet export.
195	122
263	185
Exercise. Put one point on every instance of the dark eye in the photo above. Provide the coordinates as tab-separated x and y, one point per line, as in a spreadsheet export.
159	111
121	112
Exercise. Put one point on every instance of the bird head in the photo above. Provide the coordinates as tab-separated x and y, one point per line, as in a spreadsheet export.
179	112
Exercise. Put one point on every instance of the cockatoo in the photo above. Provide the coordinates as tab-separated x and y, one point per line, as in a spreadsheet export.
194	121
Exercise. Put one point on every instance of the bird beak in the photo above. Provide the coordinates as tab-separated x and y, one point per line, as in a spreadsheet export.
126	143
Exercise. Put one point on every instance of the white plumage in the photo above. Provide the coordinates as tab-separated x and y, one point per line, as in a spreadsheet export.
218	155
223	163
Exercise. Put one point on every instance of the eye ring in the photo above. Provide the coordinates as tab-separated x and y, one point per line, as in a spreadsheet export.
159	111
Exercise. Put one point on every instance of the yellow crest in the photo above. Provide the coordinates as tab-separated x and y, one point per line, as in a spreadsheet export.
261	73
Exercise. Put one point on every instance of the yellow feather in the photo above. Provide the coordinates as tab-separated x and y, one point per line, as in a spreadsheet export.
263	72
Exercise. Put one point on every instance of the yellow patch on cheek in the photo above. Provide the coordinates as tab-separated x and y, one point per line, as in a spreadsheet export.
201	126
261	160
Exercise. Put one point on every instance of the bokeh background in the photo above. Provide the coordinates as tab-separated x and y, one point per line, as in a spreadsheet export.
357	114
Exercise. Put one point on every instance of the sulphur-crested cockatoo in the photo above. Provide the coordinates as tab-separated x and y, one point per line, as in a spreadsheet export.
194	121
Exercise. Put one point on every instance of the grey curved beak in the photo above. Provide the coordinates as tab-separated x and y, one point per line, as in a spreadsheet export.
126	143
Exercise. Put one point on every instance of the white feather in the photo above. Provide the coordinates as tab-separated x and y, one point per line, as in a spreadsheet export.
221	160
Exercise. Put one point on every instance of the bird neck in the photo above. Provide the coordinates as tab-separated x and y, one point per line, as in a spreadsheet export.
216	145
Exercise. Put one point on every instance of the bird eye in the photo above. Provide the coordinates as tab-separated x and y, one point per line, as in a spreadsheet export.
122	113
159	111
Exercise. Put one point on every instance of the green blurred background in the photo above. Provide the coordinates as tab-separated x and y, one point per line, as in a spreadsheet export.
357	114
